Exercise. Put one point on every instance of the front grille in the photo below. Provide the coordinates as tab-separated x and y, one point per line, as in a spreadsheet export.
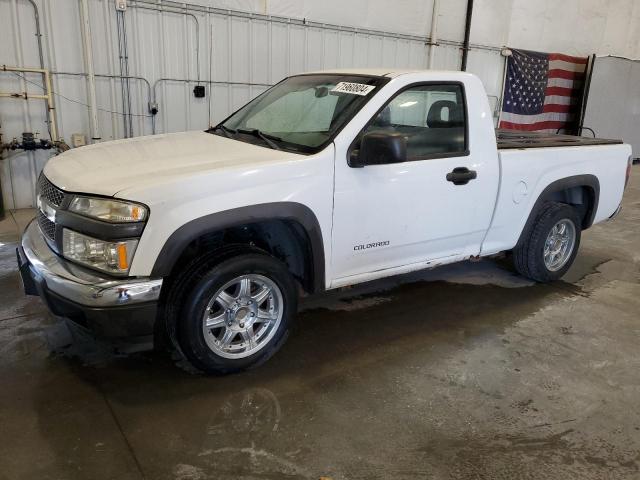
47	227
49	191
54	197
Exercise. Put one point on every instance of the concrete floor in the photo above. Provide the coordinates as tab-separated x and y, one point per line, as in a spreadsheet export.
463	372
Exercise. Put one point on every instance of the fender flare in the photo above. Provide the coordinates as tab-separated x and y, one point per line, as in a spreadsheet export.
588	180
291	211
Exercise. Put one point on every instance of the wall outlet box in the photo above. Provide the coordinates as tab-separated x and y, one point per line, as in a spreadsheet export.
199	91
78	140
121	5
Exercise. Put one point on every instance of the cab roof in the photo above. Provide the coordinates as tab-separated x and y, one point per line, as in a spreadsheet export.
380	72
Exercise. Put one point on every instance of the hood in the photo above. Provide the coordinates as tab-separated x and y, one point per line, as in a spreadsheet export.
110	167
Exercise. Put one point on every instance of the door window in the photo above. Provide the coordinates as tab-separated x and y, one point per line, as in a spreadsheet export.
432	117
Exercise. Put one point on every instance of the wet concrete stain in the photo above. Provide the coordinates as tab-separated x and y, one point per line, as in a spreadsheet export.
463	372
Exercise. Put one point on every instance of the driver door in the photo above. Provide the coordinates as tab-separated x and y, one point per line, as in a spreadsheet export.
402	216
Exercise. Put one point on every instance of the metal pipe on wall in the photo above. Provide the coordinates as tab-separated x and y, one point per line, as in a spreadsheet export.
36	17
53	131
48	98
433	34
115	77
467	35
23	95
87	50
199	8
49	102
123	53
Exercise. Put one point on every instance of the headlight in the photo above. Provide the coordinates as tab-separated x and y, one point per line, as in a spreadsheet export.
111	257
114	211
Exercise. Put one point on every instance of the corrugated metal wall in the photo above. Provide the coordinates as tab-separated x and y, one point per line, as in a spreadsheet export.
171	47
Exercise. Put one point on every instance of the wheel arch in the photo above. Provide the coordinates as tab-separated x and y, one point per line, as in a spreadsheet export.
575	190
292	227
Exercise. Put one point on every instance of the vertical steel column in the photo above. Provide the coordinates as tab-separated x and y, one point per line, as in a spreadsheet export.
112	67
87	50
467	34
433	34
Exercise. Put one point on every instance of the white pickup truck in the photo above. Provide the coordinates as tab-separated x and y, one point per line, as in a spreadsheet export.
327	179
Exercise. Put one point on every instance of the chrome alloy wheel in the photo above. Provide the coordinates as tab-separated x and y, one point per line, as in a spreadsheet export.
559	244
243	316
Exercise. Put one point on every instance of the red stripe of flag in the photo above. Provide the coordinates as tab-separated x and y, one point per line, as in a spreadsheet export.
566	74
552	107
549	124
568	58
561	91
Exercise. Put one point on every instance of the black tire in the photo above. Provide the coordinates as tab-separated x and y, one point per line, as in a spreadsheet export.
200	281
528	256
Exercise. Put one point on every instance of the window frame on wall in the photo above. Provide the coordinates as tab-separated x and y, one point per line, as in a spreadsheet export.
432	156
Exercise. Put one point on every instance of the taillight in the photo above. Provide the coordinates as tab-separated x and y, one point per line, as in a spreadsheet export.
628	174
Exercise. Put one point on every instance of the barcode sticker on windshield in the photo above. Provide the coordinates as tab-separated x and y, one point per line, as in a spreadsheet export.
353	88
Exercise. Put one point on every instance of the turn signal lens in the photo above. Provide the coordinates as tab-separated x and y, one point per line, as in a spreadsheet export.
123	262
110	257
114	211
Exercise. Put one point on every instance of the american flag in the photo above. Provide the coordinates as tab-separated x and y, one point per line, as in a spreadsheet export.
541	91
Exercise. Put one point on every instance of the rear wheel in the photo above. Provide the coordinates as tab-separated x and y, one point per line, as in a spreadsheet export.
234	313
551	245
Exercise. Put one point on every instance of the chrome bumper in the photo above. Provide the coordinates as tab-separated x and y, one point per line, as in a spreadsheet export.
80	285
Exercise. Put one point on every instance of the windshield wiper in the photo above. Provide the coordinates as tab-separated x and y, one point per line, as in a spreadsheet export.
225	130
268	139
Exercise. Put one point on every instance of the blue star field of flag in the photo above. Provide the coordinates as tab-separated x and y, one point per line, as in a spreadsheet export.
527	74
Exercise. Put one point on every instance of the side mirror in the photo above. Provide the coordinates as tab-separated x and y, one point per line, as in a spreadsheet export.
379	148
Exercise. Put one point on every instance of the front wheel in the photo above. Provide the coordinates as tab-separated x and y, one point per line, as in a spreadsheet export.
236	314
551	245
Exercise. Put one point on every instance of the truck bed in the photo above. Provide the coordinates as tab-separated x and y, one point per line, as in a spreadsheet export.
508	139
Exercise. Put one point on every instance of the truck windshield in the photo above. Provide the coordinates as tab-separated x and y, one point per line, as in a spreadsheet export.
301	113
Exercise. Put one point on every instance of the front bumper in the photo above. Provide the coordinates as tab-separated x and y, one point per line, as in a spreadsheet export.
109	307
